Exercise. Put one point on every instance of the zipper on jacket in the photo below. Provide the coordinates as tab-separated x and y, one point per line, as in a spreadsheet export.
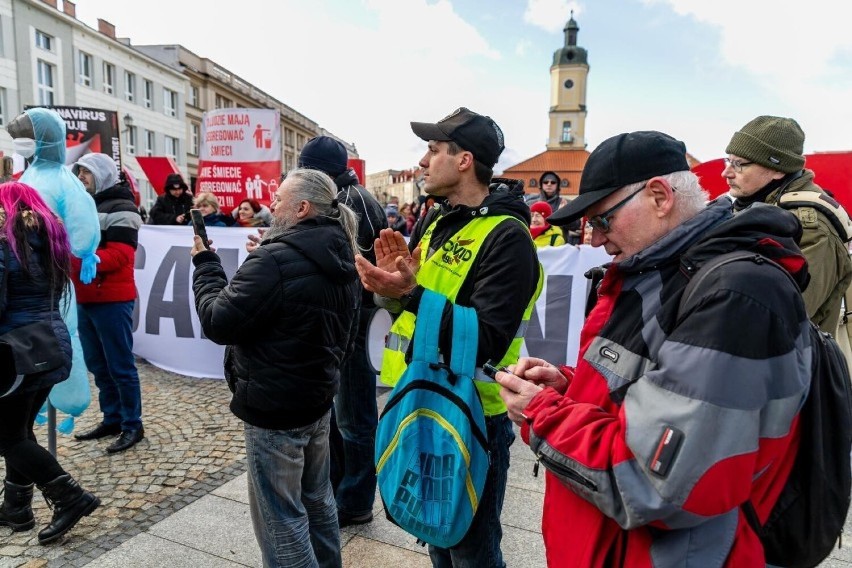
560	470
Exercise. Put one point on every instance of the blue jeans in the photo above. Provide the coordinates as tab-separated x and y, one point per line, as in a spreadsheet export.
292	507
107	338
480	547
357	418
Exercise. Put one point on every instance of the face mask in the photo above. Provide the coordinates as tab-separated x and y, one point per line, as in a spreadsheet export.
24	146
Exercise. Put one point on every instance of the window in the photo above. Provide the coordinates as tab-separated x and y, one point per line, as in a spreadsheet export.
170	101
566	131
288	163
171	148
195	136
2	106
300	141
149	143
46	91
109	78
43	41
129	86
288	137
130	142
85	62
149	94
193	95
223	102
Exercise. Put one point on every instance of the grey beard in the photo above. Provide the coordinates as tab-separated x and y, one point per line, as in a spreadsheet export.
278	227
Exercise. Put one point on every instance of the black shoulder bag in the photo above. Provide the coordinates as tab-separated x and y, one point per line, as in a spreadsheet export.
31	349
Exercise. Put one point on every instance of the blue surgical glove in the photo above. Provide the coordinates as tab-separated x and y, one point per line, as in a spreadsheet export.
89	268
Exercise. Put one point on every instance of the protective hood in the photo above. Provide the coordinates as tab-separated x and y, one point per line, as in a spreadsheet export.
49	131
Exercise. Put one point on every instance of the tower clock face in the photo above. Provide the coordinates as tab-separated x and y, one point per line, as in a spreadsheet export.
569	83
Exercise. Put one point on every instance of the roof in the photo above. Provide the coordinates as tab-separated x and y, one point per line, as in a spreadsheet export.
568	165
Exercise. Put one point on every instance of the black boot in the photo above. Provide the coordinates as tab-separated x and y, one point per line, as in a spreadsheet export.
16	511
70	504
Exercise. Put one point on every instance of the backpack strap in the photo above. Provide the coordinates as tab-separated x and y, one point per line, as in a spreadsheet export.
825	204
428	327
717	262
703	272
465	341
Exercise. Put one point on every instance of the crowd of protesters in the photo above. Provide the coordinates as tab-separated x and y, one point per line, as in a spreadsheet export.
653	367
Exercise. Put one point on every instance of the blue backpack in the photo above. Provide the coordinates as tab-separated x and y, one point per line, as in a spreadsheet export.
431	446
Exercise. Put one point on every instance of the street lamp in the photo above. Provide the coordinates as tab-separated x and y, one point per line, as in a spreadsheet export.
128	121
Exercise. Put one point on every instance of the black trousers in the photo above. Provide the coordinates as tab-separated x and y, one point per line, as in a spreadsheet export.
26	461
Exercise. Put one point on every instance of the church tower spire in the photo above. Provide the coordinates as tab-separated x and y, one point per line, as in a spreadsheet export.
568	75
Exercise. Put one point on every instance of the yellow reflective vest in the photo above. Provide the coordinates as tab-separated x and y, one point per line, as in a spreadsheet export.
444	271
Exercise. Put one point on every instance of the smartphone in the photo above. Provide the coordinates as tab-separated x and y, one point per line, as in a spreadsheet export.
198	226
491	370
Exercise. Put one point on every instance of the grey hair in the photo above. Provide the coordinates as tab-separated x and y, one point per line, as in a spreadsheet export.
319	190
690	197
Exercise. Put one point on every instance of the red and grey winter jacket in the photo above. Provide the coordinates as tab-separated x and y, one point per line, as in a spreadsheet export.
120	222
672	420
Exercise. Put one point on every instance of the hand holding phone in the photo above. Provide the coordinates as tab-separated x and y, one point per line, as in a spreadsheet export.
198	227
490	370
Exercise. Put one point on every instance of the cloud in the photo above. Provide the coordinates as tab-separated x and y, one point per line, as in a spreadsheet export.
550	15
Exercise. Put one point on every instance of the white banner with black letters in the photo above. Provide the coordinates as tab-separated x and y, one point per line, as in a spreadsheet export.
166	330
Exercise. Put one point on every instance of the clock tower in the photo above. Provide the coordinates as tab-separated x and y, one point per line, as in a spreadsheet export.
568	93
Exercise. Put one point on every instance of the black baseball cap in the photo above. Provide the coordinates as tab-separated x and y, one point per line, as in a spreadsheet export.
474	132
621	160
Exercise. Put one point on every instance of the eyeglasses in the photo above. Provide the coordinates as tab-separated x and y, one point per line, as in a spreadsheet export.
602	222
736	165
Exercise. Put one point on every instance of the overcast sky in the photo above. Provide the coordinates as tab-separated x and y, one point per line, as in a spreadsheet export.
363	69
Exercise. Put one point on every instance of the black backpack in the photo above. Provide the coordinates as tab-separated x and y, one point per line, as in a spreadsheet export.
809	515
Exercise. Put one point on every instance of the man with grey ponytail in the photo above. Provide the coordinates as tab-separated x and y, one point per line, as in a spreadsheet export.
288	318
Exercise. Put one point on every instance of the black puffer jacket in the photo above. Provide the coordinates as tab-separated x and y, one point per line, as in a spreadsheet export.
167	208
28	299
287	317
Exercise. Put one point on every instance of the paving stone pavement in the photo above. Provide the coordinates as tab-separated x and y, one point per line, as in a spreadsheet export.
185	480
193	444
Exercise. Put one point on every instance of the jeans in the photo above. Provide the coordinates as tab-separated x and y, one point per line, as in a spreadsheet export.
480	547
107	338
357	419
292	507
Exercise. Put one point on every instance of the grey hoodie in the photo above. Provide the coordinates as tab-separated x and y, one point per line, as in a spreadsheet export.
103	169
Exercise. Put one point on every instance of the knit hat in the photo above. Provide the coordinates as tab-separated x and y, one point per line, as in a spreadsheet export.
175	181
621	160
392	209
774	142
103	168
325	154
542	207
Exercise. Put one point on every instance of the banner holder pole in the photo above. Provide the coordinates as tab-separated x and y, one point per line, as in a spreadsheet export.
51	429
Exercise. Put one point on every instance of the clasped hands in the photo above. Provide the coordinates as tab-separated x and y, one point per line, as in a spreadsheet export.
526	379
395	272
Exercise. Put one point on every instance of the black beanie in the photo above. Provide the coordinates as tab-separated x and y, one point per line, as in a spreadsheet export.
774	142
325	154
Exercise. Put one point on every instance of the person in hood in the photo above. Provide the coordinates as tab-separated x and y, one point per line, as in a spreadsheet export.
172	207
674	416
105	306
288	318
765	163
356	412
550	187
493	268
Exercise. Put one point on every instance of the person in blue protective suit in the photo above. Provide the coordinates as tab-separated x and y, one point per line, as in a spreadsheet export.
38	134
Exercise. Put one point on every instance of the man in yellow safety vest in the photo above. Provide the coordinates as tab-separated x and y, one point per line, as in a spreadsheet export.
476	250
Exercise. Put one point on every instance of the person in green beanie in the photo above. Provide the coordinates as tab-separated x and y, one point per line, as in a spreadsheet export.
764	164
